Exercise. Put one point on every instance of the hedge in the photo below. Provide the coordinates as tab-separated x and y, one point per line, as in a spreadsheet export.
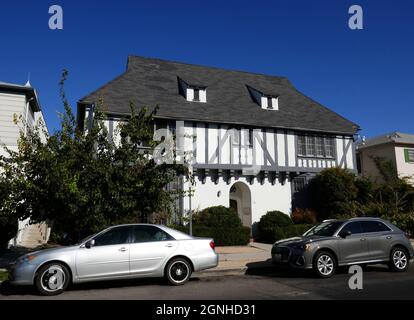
220	223
271	225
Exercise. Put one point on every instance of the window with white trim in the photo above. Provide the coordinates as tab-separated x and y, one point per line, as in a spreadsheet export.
315	146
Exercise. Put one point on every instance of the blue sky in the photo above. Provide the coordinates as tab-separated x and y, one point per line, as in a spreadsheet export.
366	75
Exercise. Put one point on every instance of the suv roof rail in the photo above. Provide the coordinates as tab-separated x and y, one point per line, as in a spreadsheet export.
365	218
328	220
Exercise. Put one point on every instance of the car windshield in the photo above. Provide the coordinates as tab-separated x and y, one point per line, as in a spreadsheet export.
326	229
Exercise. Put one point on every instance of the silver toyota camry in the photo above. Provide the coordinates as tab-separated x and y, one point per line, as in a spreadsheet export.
119	252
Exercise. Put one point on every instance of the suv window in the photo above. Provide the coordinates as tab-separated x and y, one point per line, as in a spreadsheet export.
150	234
113	236
374	226
355	227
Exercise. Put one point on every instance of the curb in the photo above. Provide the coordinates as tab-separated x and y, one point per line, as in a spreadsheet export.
231	271
221	272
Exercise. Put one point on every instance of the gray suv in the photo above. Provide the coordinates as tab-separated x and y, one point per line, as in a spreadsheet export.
335	243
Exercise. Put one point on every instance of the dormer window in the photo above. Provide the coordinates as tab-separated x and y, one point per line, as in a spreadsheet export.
196	94
269	103
265	101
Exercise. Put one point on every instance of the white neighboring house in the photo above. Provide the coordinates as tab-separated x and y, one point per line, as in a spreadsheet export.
233	122
396	147
20	101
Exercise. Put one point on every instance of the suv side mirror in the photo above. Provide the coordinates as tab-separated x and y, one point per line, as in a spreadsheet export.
89	244
344	234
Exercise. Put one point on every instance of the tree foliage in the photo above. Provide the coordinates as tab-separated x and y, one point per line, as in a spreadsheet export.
81	182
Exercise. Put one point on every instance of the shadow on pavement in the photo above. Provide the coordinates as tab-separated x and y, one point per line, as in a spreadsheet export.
6	289
266	269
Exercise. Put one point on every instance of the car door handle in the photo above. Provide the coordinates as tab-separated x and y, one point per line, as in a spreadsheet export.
363	239
170	245
389	237
122	249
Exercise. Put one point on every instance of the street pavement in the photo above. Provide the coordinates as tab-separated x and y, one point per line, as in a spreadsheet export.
257	283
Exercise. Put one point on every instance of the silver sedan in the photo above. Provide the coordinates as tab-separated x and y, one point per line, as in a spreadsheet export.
119	252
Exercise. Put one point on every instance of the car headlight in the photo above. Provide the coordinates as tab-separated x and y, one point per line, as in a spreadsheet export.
27	259
304	247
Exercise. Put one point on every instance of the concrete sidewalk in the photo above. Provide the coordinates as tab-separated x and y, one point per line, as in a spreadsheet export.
237	259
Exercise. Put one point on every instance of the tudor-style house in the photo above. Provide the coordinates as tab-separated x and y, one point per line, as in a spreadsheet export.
255	139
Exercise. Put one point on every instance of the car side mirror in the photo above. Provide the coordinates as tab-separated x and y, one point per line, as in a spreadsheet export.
89	244
345	234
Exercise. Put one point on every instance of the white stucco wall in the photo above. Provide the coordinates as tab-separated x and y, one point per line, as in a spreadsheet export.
265	197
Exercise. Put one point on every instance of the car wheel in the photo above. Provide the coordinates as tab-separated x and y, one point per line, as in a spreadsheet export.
399	260
324	264
52	279
178	271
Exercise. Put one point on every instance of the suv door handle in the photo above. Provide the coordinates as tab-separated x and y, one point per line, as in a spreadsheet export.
170	245
363	239
389	237
122	249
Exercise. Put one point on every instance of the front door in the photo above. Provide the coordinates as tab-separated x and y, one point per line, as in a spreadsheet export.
150	249
233	204
353	248
108	258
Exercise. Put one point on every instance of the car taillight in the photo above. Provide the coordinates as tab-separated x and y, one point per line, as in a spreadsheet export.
212	244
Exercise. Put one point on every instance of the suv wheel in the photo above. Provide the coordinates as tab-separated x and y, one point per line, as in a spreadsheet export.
178	271
52	279
324	264
399	260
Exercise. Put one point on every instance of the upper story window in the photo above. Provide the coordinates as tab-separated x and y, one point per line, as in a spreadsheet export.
270	103
196	94
316	146
409	155
265	101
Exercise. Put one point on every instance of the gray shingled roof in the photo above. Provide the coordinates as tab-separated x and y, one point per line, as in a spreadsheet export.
393	137
150	82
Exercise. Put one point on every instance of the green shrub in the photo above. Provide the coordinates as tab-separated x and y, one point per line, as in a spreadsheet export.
404	221
222	224
224	236
332	191
294	230
273	222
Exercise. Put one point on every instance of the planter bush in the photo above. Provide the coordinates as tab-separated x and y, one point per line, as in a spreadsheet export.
272	224
220	223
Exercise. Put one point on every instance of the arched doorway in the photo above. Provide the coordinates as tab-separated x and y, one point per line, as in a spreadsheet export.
240	201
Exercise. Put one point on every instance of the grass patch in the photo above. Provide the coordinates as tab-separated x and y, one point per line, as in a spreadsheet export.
4	275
